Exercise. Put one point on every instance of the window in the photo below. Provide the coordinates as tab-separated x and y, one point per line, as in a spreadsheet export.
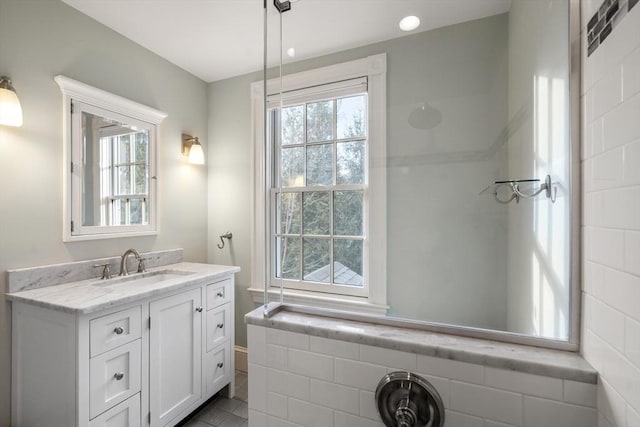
320	217
319	194
124	166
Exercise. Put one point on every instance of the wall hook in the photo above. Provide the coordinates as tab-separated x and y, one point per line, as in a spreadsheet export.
227	236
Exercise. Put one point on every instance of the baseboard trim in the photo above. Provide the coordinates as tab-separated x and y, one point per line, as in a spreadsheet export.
241	359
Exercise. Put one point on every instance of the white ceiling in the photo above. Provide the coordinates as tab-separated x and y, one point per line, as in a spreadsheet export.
217	39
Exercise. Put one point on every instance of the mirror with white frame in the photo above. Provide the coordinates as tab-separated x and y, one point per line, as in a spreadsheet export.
109	158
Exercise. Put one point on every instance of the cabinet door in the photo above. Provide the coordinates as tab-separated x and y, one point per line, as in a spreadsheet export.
175	355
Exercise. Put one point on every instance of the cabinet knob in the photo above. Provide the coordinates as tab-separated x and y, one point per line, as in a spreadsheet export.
118	376
219	294
220	365
220	325
199	309
119	330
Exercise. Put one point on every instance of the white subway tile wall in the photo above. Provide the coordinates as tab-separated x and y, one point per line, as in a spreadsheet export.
611	221
331	383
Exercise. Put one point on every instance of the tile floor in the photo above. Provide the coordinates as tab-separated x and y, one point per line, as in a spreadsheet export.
224	412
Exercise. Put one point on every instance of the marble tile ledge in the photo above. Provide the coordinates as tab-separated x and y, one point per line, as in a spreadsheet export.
532	360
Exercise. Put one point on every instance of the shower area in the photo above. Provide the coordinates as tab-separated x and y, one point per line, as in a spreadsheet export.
473	161
414	217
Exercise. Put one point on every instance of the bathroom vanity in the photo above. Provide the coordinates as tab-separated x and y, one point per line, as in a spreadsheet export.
145	349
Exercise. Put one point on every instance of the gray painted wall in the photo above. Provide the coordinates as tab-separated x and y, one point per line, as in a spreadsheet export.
459	69
38	40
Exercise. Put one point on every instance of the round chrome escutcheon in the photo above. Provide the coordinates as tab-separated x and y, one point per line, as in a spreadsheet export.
408	400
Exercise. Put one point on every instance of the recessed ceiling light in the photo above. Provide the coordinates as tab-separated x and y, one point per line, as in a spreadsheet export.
291	52
409	23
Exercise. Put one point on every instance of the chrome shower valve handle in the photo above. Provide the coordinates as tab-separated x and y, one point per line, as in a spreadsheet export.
404	399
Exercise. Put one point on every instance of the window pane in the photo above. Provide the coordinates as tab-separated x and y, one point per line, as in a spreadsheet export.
124	179
347	262
142	142
292	167
140	178
351	116
124	148
289	256
316	260
119	212
350	162
135	211
347	213
320	121
289	213
293	125
320	164
315	213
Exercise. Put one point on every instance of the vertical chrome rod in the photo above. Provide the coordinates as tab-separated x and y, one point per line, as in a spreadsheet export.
266	163
278	163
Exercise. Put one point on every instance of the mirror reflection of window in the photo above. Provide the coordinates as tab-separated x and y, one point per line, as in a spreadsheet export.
116	172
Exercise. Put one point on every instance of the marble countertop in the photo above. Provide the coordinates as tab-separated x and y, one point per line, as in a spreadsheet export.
522	358
91	295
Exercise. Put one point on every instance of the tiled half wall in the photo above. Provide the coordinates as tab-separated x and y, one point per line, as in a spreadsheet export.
302	380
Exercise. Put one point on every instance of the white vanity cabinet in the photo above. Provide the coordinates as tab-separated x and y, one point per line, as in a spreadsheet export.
149	362
175	355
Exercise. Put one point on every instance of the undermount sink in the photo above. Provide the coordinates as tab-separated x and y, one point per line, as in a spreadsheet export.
148	277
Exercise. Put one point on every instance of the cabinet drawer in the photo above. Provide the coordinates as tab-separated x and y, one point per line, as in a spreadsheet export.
218	326
114	376
126	414
114	329
218	368
219	293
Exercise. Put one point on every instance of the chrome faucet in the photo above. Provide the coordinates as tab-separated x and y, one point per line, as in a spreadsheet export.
124	271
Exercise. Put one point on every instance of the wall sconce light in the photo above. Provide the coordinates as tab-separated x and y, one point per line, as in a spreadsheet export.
10	109
191	147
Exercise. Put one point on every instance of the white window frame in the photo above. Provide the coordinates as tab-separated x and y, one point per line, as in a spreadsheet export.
374	68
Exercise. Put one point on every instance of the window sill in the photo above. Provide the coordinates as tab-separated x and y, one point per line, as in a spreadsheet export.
315	299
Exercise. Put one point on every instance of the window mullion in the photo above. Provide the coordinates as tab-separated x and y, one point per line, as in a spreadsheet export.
331	238
114	145
335	145
305	143
132	177
331	193
304	184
